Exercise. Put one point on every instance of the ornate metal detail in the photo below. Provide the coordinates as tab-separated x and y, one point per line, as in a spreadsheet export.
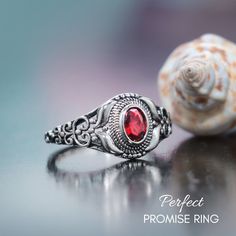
102	128
130	150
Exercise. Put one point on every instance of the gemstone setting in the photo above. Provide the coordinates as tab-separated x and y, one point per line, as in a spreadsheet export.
135	124
131	149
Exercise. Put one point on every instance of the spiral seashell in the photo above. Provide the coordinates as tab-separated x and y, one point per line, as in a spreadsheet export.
197	84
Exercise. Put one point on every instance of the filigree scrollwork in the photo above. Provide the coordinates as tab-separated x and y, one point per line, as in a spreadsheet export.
61	134
82	132
164	119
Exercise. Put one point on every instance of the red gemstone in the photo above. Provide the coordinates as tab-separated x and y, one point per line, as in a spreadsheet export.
135	124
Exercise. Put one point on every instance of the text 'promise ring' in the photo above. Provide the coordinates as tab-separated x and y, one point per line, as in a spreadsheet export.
128	125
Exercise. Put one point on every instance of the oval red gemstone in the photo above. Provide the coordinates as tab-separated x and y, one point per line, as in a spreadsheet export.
135	124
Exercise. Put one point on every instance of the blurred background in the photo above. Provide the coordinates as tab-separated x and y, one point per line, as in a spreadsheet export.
60	59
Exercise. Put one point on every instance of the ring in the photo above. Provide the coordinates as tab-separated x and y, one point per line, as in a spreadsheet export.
128	125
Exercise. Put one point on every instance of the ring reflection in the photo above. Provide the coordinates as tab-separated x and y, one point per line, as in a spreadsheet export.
121	185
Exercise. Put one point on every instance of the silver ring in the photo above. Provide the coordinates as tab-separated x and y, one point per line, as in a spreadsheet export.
128	125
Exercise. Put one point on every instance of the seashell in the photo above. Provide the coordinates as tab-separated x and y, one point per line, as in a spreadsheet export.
197	85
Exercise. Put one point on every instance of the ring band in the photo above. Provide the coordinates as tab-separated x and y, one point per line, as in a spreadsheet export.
128	125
